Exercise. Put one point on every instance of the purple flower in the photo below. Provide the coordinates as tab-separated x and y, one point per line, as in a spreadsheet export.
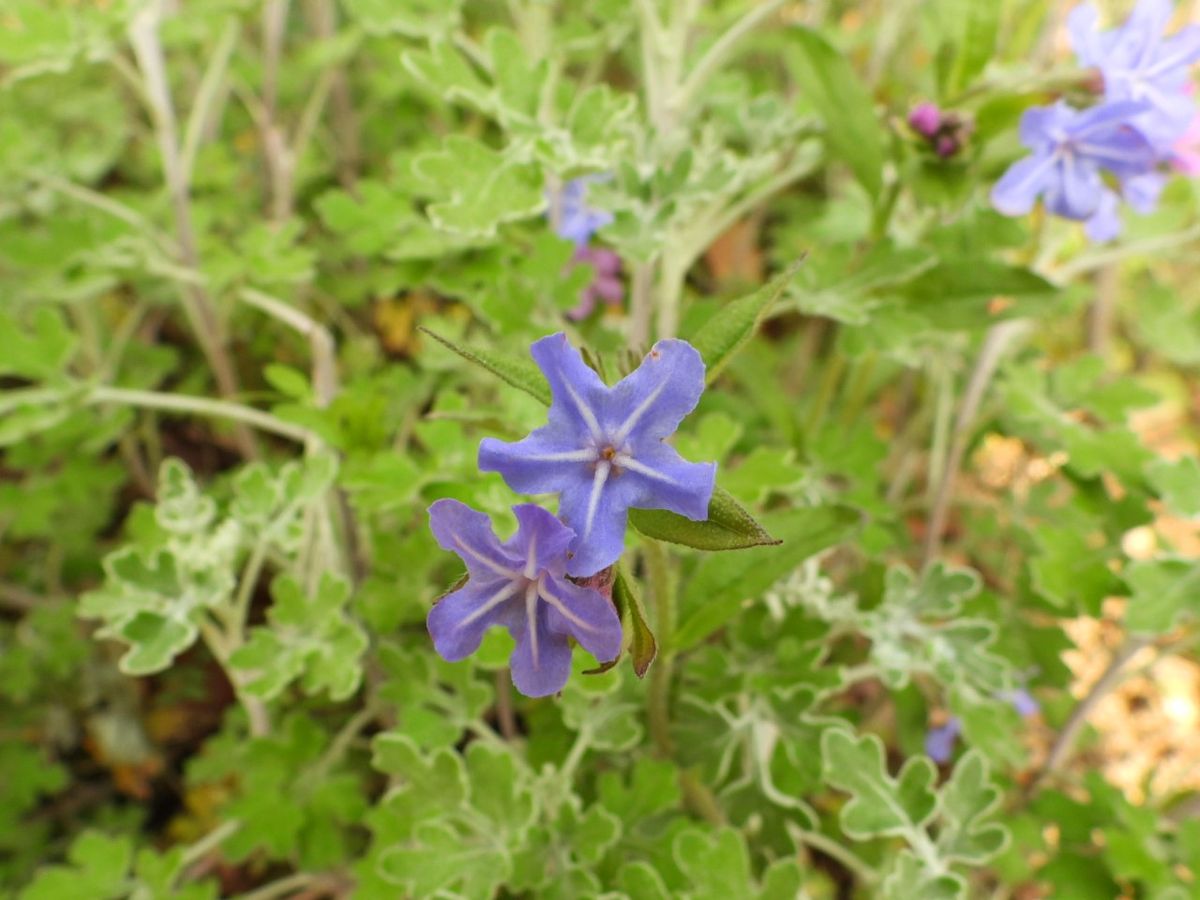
604	449
1022	701
1139	64
1071	152
925	119
939	742
570	215
522	585
606	279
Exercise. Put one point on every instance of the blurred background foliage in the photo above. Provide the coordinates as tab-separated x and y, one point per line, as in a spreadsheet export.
221	224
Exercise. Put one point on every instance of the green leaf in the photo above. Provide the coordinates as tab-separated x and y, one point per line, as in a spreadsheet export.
155	641
413	18
517	371
731	327
40	353
971	41
721	583
964	279
99	867
729	526
831	85
1071	570
1178	483
642	648
477	188
880	805
1162	591
910	878
966	801
440	858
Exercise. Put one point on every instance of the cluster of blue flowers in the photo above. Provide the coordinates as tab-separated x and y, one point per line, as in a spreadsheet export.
603	452
1084	162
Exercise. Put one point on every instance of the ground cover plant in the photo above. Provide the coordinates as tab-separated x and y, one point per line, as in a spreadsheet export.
601	449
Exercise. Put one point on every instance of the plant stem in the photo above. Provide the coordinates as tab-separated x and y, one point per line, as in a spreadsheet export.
324	350
1104	308
641	305
220	409
323	15
506	716
198	306
718	54
995	344
831	848
1108	680
658	697
341	742
208	95
201	848
283	886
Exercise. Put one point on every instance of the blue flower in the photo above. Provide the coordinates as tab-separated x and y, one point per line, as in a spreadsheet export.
522	585
570	215
939	742
603	450
1072	151
1140	64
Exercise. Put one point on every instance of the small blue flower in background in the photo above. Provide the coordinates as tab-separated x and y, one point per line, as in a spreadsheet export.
1022	701
603	450
940	741
521	585
572	218
1139	63
1072	150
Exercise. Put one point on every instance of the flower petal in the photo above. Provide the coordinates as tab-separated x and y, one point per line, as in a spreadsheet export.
653	399
541	661
577	391
542	463
1105	223
1083	28
661	479
1018	189
1142	191
597	509
939	742
468	533
541	539
457	621
584	614
1077	192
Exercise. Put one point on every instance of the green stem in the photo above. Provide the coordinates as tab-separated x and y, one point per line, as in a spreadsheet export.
201	848
217	409
831	848
658	698
831	379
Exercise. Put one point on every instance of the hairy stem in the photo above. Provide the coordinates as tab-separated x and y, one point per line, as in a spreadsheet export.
658	698
197	304
1060	751
998	338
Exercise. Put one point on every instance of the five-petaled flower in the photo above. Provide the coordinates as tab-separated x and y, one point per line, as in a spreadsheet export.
520	584
603	450
1139	63
1072	150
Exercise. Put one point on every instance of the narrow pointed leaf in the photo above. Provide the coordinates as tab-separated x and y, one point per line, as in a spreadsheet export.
518	371
728	330
643	648
729	526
